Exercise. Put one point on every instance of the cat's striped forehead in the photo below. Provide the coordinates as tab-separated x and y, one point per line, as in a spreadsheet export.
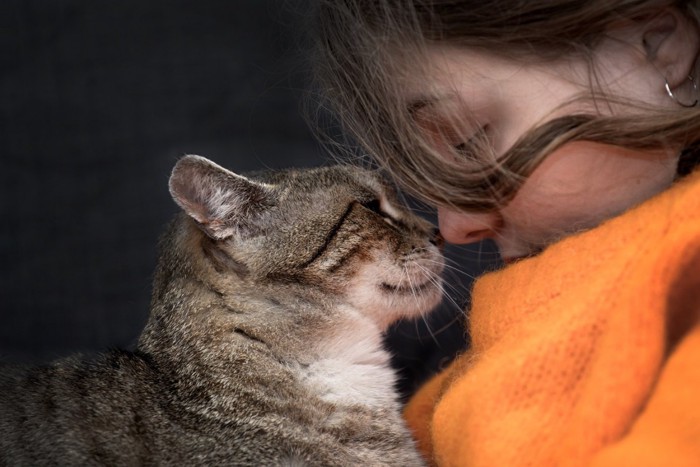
305	180
334	185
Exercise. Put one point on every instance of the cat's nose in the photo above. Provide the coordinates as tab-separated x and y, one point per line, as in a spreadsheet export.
436	239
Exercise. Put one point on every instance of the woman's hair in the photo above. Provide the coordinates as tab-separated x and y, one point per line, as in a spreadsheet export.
368	50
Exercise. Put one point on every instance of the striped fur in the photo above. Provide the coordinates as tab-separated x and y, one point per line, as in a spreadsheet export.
263	345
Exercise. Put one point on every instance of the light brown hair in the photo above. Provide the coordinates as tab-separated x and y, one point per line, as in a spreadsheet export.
367	48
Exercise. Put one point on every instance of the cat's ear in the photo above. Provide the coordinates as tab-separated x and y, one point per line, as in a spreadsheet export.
220	201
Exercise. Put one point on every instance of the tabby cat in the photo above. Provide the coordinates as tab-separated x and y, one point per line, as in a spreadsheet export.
263	346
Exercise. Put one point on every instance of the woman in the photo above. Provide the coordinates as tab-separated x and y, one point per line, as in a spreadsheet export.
565	131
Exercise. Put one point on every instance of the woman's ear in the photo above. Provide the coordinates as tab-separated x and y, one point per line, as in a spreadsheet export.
671	42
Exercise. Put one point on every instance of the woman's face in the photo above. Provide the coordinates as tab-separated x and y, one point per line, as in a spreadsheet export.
577	186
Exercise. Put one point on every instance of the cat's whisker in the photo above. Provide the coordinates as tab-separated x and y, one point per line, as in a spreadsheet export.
447	325
449	288
453	303
452	268
433	278
448	300
413	290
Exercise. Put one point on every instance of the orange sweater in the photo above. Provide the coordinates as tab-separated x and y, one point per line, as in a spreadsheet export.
588	354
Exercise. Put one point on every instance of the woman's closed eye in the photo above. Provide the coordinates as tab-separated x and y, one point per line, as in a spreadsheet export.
472	145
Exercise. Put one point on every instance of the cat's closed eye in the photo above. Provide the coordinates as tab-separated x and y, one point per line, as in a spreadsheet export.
374	205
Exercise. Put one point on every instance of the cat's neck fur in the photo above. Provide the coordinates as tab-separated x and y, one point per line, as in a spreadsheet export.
209	323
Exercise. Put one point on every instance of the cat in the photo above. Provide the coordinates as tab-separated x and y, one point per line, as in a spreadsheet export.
263	344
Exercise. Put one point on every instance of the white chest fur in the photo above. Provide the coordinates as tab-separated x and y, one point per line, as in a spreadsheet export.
353	368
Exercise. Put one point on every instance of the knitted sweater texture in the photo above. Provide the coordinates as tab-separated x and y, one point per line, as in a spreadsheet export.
585	355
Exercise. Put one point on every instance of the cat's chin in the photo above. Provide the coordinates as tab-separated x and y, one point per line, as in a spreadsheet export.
411	302
408	307
386	301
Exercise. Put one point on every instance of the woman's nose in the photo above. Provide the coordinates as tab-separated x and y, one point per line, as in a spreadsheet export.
462	227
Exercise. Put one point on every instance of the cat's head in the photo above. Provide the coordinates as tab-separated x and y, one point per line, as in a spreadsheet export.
336	232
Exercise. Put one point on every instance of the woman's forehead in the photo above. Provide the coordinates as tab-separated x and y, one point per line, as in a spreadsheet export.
450	76
453	79
436	75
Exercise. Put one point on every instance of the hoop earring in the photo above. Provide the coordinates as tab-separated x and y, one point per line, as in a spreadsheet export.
675	99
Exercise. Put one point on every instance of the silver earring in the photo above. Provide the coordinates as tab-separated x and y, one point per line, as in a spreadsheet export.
682	104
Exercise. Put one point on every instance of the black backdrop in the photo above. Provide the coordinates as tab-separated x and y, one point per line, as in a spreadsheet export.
98	99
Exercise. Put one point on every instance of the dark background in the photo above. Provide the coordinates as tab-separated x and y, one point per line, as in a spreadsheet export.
98	99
